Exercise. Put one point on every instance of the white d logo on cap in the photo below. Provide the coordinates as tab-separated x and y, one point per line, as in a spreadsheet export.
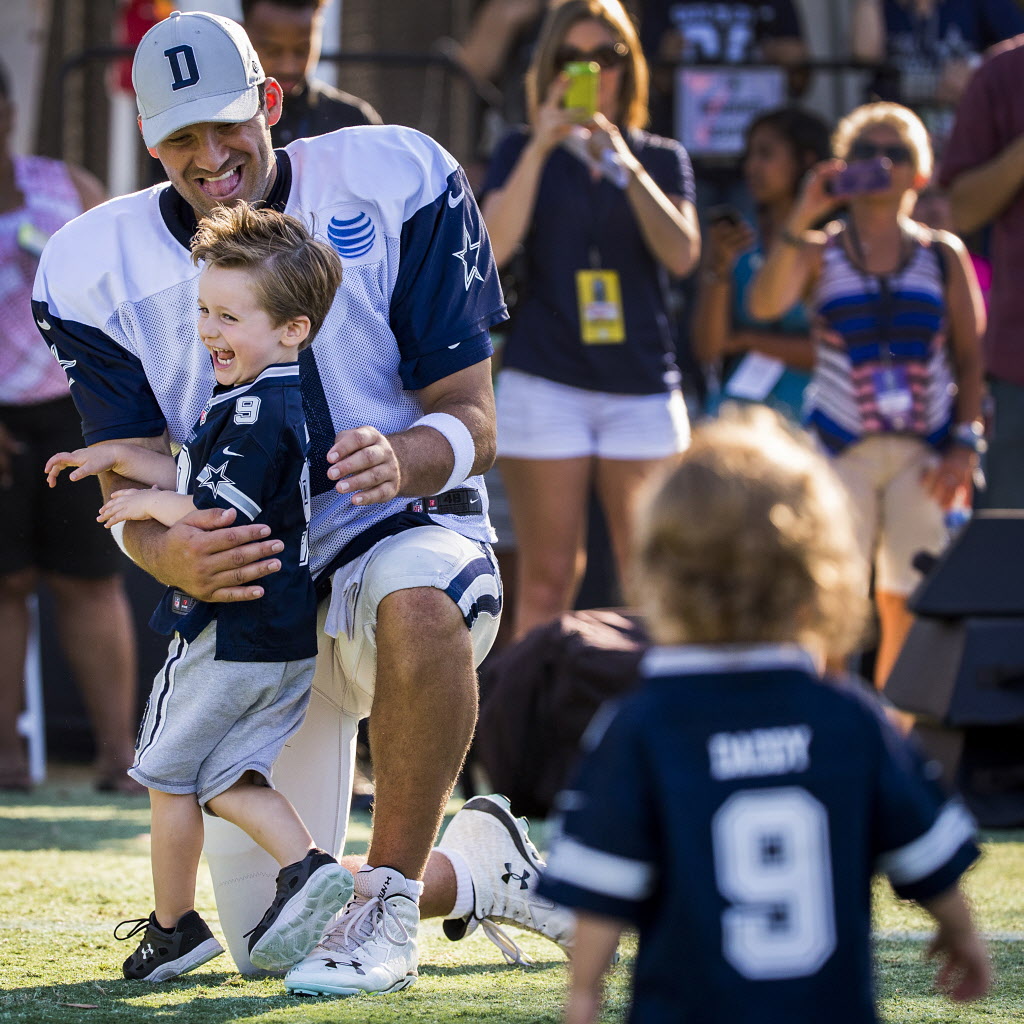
174	56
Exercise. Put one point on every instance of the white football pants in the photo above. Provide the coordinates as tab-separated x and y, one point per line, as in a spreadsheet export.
315	770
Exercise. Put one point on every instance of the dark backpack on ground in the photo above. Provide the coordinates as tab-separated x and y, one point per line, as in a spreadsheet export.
537	697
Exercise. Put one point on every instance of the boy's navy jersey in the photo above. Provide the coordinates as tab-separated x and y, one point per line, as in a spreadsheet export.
248	452
734	809
116	298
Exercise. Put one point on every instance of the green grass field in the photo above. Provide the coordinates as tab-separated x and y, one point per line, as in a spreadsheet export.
73	863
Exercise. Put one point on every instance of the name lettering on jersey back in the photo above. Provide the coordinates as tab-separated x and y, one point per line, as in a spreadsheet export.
740	755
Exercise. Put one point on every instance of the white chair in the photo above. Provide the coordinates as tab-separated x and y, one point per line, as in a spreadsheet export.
32	721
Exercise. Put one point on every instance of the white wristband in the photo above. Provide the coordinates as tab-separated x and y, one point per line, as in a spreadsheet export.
457	434
117	532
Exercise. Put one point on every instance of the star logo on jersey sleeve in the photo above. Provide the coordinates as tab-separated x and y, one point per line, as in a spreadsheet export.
468	256
225	489
65	364
215	478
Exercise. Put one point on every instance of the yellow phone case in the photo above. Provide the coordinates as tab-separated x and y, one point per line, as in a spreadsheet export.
581	93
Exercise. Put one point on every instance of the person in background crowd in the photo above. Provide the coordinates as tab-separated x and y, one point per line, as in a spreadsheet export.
288	36
896	390
52	535
498	48
771	361
734	808
726	33
589	391
934	209
929	49
983	170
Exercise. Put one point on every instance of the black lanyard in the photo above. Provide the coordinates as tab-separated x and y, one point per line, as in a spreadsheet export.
884	302
600	194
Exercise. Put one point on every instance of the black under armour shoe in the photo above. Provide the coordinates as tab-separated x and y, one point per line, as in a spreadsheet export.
309	893
163	955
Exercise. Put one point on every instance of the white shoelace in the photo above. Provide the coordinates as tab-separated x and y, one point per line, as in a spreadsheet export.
358	925
510	950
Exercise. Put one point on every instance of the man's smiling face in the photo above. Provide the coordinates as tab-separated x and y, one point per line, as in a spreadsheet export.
213	164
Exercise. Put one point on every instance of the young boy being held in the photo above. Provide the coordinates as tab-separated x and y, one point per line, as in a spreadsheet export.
237	679
735	807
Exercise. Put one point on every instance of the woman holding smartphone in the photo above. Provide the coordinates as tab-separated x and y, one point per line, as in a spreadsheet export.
600	213
895	395
760	361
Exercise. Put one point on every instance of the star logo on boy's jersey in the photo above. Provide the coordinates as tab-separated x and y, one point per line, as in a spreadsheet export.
214	478
468	255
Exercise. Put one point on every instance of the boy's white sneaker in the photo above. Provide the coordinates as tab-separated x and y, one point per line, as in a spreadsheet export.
371	948
505	868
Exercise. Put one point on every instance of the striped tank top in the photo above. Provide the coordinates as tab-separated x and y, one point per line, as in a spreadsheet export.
29	373
881	362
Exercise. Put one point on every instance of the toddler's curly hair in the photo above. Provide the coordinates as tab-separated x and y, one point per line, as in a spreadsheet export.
749	540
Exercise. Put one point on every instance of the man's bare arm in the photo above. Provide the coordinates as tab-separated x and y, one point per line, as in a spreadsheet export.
979	195
374	468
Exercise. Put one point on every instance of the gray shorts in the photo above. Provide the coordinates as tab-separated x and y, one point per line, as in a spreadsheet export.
208	722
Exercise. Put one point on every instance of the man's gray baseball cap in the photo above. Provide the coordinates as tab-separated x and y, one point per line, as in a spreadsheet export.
192	68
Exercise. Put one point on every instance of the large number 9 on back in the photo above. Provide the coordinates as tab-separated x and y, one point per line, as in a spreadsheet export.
773	865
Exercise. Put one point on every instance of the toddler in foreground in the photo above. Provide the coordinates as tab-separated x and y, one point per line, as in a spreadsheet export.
237	679
735	807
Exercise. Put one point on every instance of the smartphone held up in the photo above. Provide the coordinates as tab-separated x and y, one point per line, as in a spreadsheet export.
581	93
862	176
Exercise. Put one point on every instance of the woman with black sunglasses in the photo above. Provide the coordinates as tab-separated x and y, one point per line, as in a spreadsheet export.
896	390
601	214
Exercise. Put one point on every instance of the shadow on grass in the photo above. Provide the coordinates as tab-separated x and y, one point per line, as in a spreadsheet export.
215	997
113	999
67	834
468	970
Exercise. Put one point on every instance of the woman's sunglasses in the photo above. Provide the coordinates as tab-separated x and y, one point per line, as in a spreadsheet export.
609	56
869	150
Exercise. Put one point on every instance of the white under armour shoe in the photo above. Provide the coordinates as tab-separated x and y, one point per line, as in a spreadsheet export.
505	867
370	949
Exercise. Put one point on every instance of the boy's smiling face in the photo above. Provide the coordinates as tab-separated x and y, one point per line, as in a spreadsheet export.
237	331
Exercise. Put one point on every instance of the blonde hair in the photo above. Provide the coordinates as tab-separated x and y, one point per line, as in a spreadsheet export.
750	540
902	120
561	16
293	274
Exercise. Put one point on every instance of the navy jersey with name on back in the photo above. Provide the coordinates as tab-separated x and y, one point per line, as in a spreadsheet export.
248	452
734	809
116	296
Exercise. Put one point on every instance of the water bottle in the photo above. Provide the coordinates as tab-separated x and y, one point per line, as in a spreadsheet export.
956	518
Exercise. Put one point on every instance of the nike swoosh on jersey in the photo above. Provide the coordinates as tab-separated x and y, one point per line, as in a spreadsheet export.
228	451
454	201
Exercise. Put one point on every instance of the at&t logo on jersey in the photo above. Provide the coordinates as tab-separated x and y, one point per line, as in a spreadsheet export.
353	233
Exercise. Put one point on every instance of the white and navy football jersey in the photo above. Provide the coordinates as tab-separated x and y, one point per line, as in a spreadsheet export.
735	808
248	452
116	297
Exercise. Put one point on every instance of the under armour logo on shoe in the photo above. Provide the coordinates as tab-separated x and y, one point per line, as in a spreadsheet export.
147	951
354	964
510	874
